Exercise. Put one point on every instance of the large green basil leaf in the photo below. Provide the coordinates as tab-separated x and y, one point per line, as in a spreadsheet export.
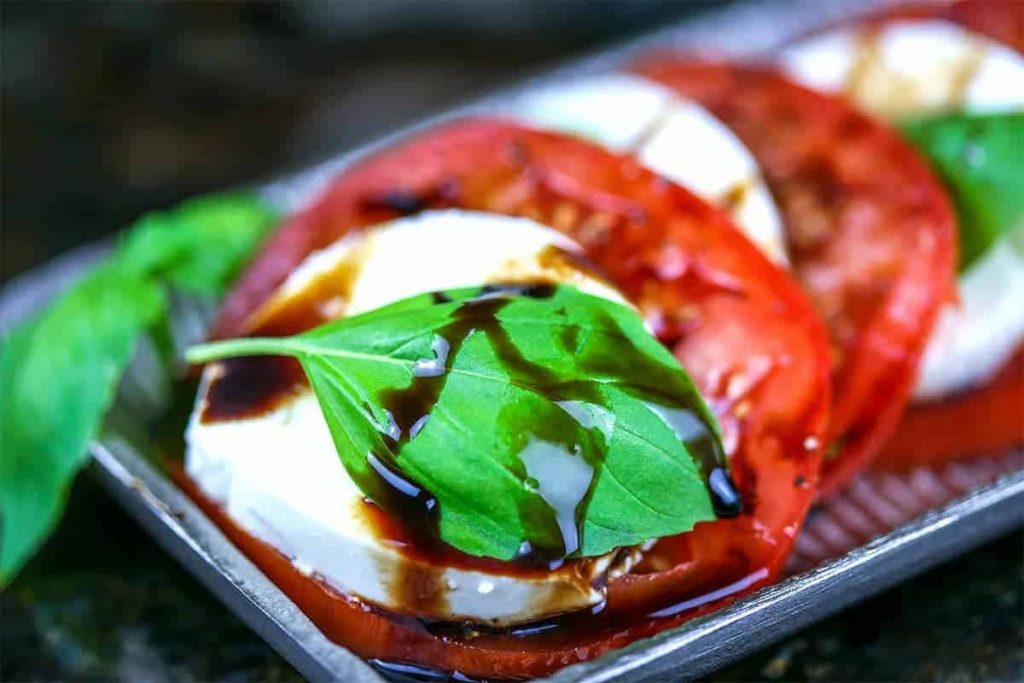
58	375
59	370
555	421
981	159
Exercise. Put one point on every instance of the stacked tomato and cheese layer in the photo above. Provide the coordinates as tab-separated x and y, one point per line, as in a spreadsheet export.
486	201
813	181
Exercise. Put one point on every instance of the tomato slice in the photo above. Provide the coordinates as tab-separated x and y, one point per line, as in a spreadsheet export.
871	234
740	326
1000	20
982	421
987	419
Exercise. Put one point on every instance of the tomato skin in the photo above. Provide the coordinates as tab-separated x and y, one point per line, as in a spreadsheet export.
856	200
1000	20
743	330
981	421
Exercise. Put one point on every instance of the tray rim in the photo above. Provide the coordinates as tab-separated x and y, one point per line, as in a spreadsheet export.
700	645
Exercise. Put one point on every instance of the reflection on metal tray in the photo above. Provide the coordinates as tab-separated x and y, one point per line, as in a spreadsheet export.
867	538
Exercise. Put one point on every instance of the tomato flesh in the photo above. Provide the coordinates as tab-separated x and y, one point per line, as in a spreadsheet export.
739	325
981	421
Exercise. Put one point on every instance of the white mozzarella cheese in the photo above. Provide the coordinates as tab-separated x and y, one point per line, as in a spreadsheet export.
279	476
910	68
672	136
438	250
978	334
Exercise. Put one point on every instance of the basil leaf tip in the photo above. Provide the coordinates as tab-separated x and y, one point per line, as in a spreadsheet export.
521	423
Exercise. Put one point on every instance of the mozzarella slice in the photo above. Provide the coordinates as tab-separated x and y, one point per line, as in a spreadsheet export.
432	251
910	68
670	135
278	474
976	336
907	68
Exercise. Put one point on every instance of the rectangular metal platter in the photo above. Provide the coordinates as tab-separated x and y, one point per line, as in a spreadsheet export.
693	649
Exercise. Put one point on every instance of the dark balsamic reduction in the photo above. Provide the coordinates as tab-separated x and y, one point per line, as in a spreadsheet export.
410	407
256	385
724	496
407	202
402	203
250	386
430	551
339	616
415	672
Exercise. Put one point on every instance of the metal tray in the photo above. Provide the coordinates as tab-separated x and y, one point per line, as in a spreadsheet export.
986	497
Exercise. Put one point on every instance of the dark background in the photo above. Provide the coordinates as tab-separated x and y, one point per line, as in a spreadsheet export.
112	108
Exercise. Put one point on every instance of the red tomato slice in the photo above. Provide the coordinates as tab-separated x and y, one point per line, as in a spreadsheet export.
1000	20
988	419
739	325
871	235
982	421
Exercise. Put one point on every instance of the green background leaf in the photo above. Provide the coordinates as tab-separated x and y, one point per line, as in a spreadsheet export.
59	371
58	376
202	244
981	159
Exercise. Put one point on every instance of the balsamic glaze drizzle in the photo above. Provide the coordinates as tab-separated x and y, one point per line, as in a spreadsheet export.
408	409
407	203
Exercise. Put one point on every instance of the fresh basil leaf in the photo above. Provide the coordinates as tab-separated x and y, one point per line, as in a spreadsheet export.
979	156
545	421
58	375
59	371
201	245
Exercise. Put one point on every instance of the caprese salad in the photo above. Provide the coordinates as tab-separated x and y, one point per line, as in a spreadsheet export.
767	223
615	316
528	387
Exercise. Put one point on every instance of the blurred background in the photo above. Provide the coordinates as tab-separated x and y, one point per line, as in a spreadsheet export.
113	108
